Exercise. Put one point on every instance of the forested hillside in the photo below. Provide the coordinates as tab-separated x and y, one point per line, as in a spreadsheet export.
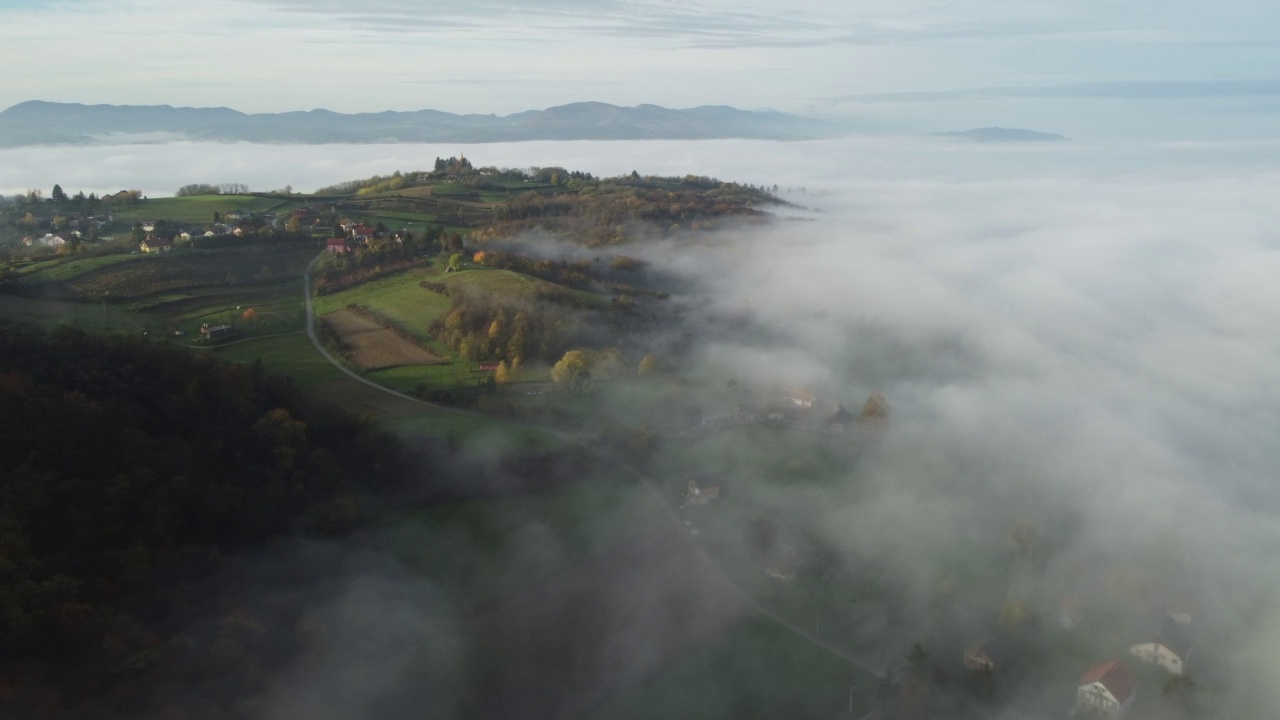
129	469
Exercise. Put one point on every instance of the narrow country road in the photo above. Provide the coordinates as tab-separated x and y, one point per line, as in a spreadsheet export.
861	663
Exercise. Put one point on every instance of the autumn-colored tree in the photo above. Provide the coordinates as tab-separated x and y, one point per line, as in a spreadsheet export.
648	365
1013	615
503	374
294	225
875	410
455	261
249	315
573	369
479	257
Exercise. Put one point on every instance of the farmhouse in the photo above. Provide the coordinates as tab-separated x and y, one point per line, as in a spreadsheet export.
702	489
362	232
1107	690
155	245
216	331
986	655
336	245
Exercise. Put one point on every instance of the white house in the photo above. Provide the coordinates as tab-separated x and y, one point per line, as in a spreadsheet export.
51	240
1162	653
702	489
1106	690
799	398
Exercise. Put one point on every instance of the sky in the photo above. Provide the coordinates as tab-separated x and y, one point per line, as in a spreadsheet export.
910	62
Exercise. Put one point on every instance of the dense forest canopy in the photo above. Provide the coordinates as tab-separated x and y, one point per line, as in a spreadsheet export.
127	465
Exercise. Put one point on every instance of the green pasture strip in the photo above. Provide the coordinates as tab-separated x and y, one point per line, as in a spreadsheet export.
760	670
291	355
196	208
473	431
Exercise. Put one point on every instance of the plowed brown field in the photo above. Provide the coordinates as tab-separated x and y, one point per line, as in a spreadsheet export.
374	346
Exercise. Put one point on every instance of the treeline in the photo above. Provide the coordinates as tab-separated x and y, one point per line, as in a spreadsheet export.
459	171
589	275
396	181
207	189
484	326
621	209
124	462
380	257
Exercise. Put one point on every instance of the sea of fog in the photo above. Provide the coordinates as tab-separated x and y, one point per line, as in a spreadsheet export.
1093	326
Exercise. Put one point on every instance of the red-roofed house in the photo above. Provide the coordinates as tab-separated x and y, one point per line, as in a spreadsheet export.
336	245
1106	690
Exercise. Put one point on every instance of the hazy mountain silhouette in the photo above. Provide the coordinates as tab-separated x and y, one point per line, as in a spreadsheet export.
38	123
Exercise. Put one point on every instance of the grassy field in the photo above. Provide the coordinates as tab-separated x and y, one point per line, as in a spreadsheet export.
407	378
196	209
472	431
759	671
69	269
91	316
291	355
397	298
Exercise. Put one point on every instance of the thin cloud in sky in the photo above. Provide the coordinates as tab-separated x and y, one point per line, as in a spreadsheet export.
1145	90
503	56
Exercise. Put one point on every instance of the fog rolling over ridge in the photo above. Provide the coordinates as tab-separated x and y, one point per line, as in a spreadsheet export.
1090	348
1075	337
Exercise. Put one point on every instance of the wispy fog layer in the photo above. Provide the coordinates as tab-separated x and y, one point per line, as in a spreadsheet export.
1081	337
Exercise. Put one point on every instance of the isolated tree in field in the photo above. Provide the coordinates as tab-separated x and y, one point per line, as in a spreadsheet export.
503	374
648	365
249	315
58	195
574	369
217	216
480	257
455	261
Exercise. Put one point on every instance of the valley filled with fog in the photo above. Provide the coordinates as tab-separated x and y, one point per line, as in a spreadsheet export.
1079	338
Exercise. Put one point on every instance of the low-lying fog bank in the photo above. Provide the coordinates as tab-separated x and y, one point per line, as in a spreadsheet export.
1078	338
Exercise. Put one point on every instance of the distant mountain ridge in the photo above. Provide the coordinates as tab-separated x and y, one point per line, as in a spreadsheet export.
999	134
47	123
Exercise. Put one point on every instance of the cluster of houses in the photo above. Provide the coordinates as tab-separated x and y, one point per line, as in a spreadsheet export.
801	407
356	235
1106	690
